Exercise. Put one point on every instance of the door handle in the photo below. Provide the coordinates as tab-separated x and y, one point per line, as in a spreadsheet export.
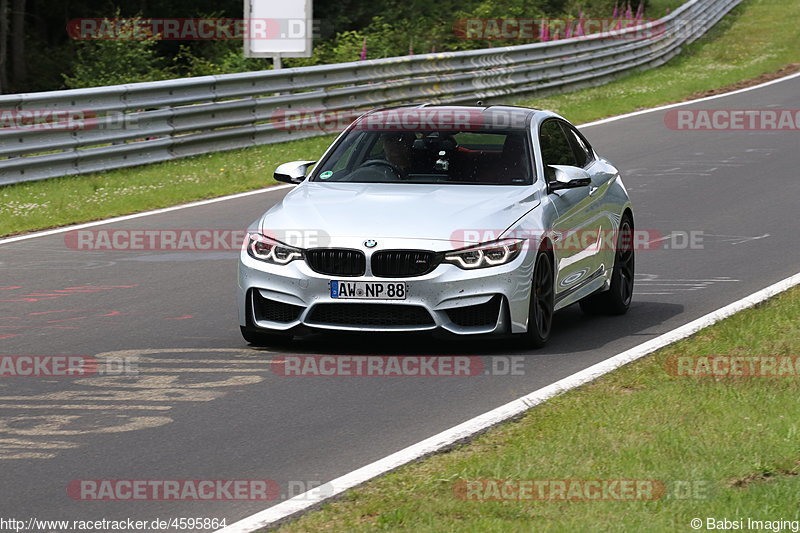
592	189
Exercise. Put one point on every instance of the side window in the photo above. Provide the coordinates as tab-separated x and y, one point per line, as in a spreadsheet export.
582	152
556	147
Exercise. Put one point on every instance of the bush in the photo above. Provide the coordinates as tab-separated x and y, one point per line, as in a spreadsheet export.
114	61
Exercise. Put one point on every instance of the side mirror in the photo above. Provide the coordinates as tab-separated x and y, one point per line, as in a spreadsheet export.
293	172
567	177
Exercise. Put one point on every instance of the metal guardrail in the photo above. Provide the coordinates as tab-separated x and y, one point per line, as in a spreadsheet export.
158	121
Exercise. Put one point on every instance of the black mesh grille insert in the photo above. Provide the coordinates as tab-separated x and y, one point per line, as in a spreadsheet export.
370	315
337	261
476	315
265	309
404	263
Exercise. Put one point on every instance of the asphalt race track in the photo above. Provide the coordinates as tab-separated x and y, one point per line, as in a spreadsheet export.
206	406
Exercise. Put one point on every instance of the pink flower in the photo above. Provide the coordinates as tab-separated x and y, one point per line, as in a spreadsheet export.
579	30
544	32
364	50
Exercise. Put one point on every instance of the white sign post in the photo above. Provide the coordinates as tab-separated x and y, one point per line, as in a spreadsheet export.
278	28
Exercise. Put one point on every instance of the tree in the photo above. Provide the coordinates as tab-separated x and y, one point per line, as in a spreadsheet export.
18	71
3	44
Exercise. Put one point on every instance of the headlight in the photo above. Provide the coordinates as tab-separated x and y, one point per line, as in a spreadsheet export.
269	250
486	255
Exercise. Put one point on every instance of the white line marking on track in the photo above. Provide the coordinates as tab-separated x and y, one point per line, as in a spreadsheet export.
737	239
652	282
51	407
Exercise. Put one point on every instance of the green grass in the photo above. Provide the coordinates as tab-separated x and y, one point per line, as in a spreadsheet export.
736	441
759	37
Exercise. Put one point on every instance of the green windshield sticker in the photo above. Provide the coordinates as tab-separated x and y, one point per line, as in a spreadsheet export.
325	175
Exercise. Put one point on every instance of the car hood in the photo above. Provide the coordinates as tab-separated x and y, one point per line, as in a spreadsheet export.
455	213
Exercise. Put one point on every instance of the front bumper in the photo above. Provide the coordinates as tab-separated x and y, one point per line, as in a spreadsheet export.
463	302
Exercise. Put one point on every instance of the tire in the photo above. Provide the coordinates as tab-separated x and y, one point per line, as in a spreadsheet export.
617	299
540	310
265	339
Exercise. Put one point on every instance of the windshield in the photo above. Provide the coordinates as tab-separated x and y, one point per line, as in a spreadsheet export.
488	157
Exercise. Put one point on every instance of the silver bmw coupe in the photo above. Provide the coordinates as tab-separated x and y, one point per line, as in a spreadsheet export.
460	220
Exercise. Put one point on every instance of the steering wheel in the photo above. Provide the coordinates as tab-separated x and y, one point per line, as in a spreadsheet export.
382	162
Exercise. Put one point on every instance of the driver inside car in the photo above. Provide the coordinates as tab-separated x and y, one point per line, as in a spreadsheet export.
397	147
391	158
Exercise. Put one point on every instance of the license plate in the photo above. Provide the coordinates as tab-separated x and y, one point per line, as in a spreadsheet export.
368	290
